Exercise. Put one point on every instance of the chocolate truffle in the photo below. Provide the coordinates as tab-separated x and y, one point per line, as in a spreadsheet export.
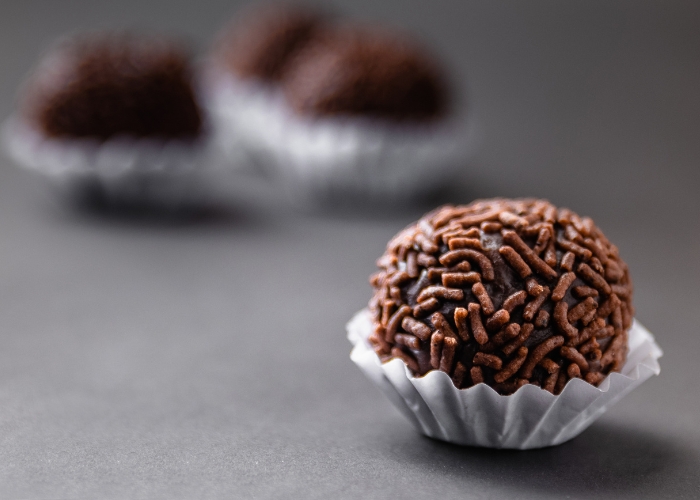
504	292
107	85
368	73
262	41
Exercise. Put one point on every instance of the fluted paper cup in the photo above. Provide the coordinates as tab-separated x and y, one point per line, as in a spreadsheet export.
479	416
321	158
234	106
122	170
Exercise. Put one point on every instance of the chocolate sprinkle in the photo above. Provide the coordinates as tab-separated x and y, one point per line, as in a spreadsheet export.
504	292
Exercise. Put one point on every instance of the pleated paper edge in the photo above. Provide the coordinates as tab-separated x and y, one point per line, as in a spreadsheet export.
419	400
113	159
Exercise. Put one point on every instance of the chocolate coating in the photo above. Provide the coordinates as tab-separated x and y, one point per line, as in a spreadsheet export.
260	43
367	73
505	292
103	86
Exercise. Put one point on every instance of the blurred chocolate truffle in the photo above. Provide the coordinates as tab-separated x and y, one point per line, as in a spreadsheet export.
102	86
260	43
366	72
504	292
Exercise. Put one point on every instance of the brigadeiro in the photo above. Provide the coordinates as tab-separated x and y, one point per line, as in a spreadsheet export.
105	86
114	110
367	112
505	298
333	109
504	293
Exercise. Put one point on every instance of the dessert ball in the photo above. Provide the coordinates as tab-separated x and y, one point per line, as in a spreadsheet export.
368	73
261	42
102	86
503	292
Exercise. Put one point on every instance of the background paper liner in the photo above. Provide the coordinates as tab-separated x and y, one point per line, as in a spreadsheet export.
321	158
479	416
123	170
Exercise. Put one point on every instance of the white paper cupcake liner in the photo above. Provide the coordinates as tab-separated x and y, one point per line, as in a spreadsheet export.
479	416
321	158
123	170
230	103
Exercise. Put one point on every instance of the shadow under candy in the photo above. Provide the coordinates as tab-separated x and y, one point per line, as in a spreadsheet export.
89	203
606	458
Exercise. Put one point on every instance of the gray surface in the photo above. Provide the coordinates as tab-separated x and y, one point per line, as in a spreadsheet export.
207	359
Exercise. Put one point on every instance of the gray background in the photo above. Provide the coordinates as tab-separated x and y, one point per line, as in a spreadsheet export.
206	358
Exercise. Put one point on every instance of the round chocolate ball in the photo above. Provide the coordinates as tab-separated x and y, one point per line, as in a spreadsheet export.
366	73
260	43
107	85
503	292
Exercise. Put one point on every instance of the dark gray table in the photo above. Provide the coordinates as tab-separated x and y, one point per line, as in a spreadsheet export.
207	358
